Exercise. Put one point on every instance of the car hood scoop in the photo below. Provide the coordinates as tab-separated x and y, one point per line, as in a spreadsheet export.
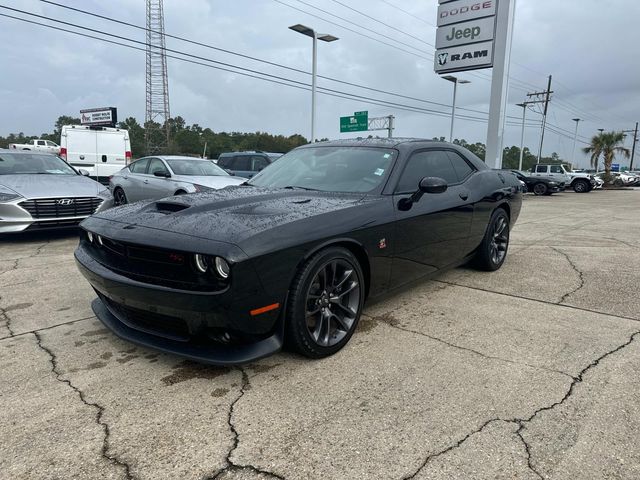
232	214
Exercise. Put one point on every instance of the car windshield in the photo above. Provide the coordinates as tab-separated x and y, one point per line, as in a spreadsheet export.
33	163
194	167
328	169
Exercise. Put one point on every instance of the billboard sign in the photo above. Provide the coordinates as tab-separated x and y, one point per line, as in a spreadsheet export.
104	117
473	31
465	10
466	57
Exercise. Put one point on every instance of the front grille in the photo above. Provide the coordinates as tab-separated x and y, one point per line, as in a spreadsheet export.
155	266
61	207
165	326
54	224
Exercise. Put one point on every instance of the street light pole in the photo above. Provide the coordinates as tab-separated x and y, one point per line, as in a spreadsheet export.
524	119
325	37
455	82
575	141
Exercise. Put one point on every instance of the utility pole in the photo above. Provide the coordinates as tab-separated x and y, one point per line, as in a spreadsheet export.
156	125
635	140
547	99
633	150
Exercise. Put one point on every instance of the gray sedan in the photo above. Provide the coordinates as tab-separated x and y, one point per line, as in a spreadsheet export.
159	177
40	190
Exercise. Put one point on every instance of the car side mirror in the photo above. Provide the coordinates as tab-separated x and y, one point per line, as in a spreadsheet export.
431	185
83	172
162	174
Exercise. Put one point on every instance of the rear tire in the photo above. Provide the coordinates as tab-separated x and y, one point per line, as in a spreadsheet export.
119	197
540	189
325	303
493	250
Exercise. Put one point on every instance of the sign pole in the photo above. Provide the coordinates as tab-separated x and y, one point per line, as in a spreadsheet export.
500	82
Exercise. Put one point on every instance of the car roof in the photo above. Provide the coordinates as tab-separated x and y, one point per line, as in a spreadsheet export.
25	152
178	157
373	142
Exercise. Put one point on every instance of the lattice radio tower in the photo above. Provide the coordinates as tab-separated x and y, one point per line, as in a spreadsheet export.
157	114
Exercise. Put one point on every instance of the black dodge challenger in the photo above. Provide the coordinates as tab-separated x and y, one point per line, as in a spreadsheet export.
290	257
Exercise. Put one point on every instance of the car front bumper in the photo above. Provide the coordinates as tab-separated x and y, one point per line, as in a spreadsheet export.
207	327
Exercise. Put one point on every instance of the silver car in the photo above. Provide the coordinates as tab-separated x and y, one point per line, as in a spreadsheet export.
40	190
159	177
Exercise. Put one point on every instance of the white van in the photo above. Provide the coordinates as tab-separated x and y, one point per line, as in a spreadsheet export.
102	151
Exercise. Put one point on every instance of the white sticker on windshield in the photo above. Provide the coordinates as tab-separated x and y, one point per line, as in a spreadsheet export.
379	172
387	155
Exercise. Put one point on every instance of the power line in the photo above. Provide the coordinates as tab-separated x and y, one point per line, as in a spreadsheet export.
273	79
408	13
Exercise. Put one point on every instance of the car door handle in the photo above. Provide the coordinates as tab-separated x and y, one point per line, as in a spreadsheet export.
146	181
464	196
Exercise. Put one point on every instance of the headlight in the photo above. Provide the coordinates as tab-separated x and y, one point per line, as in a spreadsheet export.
6	194
202	188
552	184
222	267
90	236
106	194
200	262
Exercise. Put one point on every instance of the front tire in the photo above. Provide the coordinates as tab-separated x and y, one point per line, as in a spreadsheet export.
580	186
119	197
325	303
540	189
493	250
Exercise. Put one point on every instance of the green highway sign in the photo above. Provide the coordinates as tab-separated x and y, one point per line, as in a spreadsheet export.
358	122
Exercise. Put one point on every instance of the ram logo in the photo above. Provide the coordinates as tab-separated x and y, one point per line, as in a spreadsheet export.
65	201
442	58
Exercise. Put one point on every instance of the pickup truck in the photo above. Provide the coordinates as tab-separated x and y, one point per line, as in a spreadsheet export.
39	145
579	182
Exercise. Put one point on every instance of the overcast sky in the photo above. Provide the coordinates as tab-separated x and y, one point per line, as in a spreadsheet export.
589	46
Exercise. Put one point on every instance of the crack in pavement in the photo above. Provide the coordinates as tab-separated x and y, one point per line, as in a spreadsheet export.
4	317
575	269
623	242
53	360
471	350
546	302
521	422
232	466
15	335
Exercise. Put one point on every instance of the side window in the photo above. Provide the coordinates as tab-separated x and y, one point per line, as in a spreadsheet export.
140	166
434	163
541	169
224	162
556	169
41	142
49	144
258	163
461	166
241	163
156	165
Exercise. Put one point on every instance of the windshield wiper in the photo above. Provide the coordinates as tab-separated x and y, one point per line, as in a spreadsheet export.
294	187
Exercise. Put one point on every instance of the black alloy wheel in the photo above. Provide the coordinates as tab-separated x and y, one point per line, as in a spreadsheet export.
540	189
580	186
119	197
493	249
325	303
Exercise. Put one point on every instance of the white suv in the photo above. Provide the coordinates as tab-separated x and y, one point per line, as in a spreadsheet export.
580	182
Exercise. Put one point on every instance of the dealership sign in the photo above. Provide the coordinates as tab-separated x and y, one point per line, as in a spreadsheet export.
464	10
105	117
465	35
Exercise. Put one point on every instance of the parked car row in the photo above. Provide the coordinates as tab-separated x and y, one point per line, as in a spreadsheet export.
621	179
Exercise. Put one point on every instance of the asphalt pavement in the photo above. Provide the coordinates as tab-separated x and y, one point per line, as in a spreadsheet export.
530	372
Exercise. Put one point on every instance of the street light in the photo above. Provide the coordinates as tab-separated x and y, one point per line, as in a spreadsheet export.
524	118
325	37
575	140
455	81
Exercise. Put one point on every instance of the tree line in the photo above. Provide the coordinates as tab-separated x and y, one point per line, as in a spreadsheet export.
195	140
184	139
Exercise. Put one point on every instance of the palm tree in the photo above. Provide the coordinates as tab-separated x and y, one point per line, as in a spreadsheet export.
606	145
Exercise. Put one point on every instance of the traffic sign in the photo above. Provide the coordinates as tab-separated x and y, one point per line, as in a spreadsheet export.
615	167
358	122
